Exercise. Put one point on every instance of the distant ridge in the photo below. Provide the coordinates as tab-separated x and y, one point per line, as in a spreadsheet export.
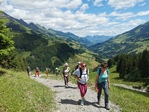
133	41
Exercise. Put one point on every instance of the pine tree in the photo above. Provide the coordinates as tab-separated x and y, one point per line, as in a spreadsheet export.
6	42
144	64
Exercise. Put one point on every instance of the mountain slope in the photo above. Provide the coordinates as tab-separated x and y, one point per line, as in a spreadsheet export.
133	41
97	38
38	48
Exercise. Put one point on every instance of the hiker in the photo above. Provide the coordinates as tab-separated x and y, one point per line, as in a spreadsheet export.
47	71
102	82
28	70
78	65
57	71
66	73
81	75
37	72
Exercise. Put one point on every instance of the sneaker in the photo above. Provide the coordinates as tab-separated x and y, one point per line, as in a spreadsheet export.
82	102
107	107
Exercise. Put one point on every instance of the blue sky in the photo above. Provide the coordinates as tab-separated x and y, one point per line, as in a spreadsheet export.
81	17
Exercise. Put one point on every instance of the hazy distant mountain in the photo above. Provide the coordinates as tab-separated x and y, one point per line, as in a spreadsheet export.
133	41
97	38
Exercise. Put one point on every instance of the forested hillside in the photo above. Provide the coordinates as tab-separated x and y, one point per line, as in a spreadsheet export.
133	41
35	48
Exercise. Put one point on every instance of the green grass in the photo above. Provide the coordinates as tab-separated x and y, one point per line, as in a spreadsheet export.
128	100
18	93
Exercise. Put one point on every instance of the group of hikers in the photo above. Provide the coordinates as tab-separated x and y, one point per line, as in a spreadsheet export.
81	74
37	71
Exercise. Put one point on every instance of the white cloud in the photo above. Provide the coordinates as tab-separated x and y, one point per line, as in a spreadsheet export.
72	16
122	16
84	7
120	4
98	3
143	13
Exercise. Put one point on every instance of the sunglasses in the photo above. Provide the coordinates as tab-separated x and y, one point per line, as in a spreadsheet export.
83	66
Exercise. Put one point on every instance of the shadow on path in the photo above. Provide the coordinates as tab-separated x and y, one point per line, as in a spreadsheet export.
73	102
65	87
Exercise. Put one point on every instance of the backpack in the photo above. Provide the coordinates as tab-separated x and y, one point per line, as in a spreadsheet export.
100	71
81	71
76	67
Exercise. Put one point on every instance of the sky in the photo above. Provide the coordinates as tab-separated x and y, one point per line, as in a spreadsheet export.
81	17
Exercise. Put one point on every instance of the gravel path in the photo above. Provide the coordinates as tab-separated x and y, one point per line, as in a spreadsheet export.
131	88
66	98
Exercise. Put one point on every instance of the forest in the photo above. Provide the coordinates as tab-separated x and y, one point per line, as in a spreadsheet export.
132	67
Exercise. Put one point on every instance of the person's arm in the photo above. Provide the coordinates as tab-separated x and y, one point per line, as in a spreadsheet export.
63	72
96	78
108	83
78	78
108	78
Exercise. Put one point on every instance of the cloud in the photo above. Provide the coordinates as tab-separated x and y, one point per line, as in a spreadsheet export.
72	16
84	7
122	16
120	4
98	3
143	13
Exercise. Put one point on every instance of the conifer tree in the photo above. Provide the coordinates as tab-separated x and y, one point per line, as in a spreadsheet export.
144	64
6	42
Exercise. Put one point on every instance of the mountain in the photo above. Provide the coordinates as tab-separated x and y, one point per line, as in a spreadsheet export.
37	47
97	38
71	36
19	24
133	41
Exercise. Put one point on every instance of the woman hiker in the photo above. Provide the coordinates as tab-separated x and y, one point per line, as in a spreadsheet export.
102	82
66	73
81	74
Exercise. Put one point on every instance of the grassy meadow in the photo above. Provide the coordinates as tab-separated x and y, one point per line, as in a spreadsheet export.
19	93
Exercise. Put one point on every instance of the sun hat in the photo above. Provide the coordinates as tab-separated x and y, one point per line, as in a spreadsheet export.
66	64
79	62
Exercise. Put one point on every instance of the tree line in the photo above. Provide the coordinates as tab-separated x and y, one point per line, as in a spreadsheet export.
131	67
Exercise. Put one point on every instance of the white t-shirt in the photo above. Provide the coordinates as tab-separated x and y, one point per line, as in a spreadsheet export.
66	71
84	76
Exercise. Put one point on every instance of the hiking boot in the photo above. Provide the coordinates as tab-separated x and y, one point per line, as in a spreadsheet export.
98	102
107	107
82	102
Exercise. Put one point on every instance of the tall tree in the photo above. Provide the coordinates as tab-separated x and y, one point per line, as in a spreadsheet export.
144	64
6	42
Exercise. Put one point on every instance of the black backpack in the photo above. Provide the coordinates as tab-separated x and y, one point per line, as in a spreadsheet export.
81	71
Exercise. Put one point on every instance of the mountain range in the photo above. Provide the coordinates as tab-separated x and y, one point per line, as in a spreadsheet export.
133	41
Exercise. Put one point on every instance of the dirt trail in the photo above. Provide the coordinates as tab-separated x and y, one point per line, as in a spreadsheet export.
66	98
